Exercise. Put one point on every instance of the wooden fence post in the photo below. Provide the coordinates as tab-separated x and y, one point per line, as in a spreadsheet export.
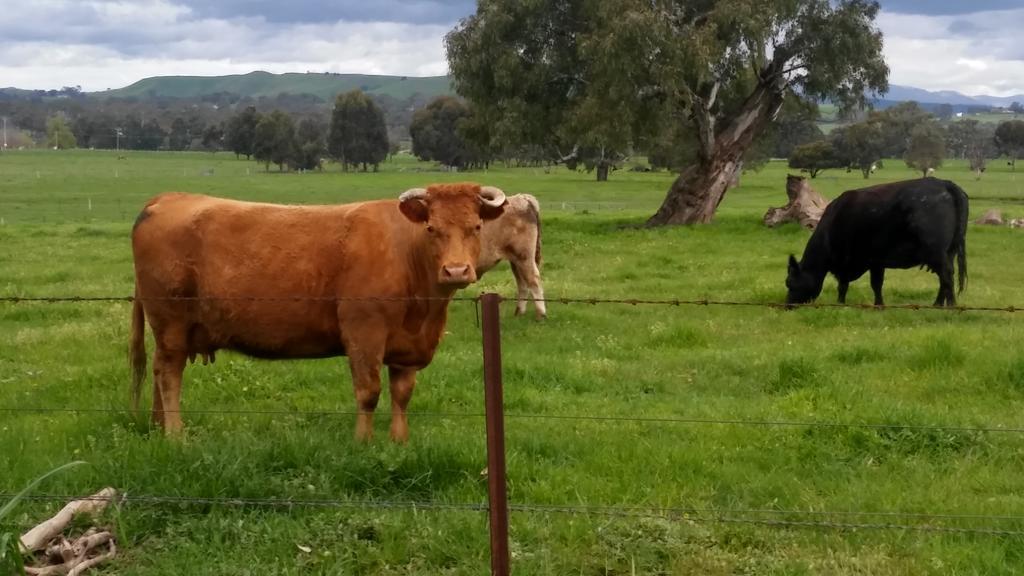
495	416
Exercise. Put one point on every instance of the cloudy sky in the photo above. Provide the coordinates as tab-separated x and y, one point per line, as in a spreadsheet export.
972	46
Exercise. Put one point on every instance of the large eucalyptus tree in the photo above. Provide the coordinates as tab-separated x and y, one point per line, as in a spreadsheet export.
607	72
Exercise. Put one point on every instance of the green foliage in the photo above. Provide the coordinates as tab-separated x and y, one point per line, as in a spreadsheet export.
59	134
240	132
358	134
10	551
139	135
213	137
275	140
971	139
435	132
815	157
179	137
859	145
1009	139
796	125
927	147
897	125
310	144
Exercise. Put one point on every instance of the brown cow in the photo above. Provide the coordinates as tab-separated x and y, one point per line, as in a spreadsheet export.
277	282
516	237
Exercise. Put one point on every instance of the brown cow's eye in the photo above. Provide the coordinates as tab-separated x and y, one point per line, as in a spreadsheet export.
477	226
430	228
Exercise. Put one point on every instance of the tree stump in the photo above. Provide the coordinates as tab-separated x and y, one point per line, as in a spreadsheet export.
992	217
805	205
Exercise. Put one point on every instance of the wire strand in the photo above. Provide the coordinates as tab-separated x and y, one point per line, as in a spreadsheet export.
675	302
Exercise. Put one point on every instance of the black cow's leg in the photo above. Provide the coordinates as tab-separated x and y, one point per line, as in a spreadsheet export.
946	283
877	278
402	383
843	287
946	295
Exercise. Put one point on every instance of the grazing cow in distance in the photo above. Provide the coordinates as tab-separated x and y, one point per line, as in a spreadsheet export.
515	237
897	225
369	280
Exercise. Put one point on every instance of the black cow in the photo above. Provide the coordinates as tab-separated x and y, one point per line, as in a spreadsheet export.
897	225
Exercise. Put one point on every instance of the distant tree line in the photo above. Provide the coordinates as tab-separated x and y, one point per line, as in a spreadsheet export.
164	123
917	136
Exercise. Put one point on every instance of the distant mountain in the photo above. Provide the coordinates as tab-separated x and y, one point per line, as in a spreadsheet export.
327	85
256	84
899	93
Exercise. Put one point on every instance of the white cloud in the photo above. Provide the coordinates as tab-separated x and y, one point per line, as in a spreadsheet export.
99	44
977	53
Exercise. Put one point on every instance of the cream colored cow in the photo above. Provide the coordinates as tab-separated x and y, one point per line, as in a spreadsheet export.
515	236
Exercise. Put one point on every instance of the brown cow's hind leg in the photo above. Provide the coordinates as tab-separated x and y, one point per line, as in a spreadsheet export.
168	366
402	381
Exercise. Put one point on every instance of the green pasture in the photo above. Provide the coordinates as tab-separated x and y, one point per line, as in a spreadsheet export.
66	218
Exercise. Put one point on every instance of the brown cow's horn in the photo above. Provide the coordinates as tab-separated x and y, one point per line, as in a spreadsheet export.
413	193
492	196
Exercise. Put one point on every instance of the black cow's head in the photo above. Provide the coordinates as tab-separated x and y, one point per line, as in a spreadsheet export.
801	286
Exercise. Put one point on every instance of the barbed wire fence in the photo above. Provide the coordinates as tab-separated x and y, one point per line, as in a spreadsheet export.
498	507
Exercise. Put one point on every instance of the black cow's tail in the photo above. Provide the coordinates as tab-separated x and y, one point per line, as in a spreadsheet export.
959	247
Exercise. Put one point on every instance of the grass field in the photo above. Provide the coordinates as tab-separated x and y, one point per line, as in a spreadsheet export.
66	221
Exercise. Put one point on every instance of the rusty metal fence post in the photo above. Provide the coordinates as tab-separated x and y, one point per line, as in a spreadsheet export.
496	483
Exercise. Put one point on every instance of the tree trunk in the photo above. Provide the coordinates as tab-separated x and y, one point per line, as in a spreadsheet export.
696	194
602	172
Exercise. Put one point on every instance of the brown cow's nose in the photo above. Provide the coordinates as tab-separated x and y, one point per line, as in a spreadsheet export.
456	273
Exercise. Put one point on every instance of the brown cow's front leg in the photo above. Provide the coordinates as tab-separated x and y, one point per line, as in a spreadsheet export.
403	381
366	384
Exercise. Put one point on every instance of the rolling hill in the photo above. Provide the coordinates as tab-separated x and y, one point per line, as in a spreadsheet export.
256	84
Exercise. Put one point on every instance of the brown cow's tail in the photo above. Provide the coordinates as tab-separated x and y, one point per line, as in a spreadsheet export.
959	247
137	350
534	208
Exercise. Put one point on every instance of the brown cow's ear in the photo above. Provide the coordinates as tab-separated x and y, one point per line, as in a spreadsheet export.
413	204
